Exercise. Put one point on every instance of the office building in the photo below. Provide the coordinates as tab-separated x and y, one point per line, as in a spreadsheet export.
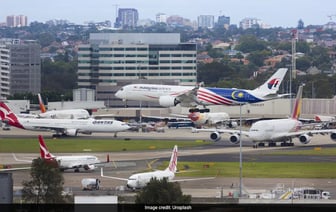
20	67
114	59
223	21
127	18
16	21
205	21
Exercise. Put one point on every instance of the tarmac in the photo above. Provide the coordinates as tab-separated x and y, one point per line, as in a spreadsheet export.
135	161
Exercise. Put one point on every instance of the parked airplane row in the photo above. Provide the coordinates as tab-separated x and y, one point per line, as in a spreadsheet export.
275	130
189	96
70	127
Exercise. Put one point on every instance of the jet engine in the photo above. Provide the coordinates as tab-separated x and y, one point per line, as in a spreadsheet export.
234	139
89	167
168	101
233	124
71	132
305	139
333	136
215	136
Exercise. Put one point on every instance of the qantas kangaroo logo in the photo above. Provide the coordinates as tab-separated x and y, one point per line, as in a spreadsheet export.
8	116
45	154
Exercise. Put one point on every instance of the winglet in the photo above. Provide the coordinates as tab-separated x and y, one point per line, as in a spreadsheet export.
45	154
42	107
173	160
297	105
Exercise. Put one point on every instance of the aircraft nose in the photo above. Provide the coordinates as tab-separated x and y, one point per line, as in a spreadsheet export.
120	93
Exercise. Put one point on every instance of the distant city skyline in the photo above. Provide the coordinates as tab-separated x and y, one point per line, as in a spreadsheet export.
285	13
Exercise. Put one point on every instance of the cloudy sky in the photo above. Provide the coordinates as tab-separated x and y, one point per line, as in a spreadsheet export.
285	13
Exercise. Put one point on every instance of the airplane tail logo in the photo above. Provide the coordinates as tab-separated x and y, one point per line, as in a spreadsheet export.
273	83
7	116
42	107
297	105
173	161
45	154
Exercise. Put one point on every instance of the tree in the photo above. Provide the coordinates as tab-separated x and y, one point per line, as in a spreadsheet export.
162	192
45	185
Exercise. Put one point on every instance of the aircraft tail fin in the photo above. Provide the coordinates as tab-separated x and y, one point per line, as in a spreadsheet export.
271	86
297	104
173	161
8	117
45	154
42	106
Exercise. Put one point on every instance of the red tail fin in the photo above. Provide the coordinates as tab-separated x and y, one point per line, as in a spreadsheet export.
173	160
8	116
45	154
42	107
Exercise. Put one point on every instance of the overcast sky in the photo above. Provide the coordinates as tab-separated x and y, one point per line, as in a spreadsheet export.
285	13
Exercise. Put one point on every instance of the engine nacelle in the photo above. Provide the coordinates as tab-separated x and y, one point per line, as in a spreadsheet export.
168	101
71	132
305	139
89	167
233	124
215	136
333	136
234	139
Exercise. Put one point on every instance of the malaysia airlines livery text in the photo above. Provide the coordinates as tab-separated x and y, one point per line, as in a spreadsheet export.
189	96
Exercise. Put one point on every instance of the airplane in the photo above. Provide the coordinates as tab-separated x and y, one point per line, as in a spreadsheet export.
62	114
211	118
86	162
189	96
140	180
69	127
274	130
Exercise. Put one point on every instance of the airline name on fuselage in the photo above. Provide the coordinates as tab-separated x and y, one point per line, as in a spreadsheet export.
102	122
154	88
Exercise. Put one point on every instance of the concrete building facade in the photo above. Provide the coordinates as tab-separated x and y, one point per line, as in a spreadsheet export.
20	67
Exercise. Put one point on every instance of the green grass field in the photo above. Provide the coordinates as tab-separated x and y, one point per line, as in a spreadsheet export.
256	169
14	145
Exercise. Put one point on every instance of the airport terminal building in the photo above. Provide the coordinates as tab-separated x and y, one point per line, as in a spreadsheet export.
111	60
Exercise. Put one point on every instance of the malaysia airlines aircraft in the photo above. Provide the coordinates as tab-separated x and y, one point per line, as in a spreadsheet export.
70	127
61	114
275	130
86	162
189	96
140	180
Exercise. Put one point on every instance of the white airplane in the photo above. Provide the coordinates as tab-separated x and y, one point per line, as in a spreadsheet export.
276	130
189	96
61	114
211	118
70	127
140	180
86	162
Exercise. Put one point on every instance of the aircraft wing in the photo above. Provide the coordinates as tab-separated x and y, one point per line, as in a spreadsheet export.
229	131
308	132
115	178
21	160
188	98
193	179
15	169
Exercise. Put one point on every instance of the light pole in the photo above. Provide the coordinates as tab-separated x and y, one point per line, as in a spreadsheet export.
240	151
